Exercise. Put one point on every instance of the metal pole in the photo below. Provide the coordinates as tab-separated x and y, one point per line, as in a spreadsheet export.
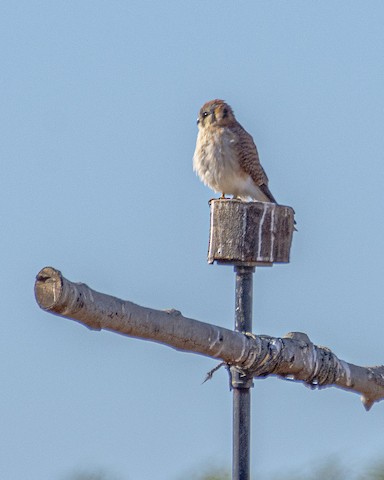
241	385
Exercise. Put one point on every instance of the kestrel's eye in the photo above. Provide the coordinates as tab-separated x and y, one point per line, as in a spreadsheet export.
205	114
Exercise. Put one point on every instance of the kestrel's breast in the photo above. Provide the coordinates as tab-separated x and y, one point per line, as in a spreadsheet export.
216	160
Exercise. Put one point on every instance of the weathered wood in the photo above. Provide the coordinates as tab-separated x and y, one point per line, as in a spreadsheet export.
293	356
250	233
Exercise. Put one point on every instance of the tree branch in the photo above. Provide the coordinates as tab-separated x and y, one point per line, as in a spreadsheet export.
292	357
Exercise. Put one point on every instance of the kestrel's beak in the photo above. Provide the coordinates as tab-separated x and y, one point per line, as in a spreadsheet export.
198	121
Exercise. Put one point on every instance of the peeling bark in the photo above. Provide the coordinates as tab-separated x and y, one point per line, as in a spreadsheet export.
292	357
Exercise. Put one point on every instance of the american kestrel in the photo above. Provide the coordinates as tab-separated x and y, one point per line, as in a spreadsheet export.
226	157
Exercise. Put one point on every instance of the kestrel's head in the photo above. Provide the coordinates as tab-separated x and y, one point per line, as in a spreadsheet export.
215	113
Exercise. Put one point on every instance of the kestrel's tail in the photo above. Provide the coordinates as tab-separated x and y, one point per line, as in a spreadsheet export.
264	188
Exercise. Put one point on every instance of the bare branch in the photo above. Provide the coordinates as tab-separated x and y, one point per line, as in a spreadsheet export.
292	357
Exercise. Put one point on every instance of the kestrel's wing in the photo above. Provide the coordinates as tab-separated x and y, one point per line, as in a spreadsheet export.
250	163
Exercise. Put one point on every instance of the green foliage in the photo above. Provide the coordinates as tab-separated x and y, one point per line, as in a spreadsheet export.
91	475
211	473
330	469
216	475
375	472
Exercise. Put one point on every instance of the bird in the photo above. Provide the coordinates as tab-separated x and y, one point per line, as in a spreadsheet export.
226	157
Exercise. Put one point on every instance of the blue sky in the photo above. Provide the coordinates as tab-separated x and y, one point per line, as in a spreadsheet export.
99	105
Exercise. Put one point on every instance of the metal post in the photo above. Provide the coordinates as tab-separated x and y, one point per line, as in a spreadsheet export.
241	385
